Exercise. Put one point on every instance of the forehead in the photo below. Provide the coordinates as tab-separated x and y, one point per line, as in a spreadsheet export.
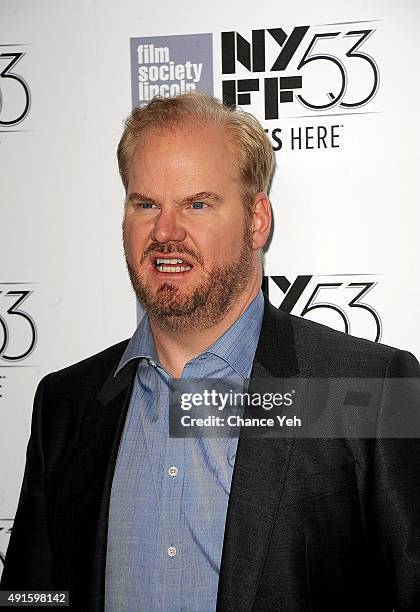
193	150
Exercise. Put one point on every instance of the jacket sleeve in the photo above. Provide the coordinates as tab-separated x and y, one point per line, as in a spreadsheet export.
28	559
395	485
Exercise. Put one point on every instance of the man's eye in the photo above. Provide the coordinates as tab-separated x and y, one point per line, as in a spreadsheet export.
145	205
198	205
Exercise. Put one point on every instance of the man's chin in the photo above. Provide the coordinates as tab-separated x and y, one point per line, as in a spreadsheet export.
169	306
169	299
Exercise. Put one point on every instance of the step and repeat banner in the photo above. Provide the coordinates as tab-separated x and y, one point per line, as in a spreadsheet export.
335	87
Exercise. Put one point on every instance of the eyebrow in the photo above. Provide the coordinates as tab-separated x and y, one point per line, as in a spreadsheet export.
203	195
196	197
140	197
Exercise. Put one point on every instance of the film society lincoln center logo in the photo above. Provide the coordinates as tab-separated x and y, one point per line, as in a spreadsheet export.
170	65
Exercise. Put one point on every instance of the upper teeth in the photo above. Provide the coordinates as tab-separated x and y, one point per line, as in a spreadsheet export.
169	261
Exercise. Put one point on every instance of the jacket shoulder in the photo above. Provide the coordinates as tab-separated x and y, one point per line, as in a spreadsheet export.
329	352
88	375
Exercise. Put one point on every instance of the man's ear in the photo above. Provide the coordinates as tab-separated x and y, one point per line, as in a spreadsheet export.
261	220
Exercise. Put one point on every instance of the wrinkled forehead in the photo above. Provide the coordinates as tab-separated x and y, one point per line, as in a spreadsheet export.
196	144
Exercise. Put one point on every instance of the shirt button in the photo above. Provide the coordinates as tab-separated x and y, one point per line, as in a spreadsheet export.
173	471
172	551
153	363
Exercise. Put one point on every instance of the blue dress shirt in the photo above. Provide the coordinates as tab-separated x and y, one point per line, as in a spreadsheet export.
169	496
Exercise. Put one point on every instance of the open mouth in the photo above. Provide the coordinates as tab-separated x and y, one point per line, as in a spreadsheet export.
171	265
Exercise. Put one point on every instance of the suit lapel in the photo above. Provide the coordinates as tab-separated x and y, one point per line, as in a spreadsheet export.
97	453
260	470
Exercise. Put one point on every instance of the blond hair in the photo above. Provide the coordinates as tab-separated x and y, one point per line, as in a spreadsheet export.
255	159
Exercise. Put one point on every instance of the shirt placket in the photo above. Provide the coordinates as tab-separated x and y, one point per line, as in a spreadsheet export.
172	544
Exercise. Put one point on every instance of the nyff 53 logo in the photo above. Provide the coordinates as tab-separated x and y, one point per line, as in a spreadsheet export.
18	332
341	302
320	67
15	97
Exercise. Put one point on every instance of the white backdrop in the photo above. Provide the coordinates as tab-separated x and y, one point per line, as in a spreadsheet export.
344	214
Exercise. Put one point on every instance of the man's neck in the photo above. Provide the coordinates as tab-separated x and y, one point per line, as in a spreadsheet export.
175	349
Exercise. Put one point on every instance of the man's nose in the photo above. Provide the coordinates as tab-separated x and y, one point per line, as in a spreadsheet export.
168	227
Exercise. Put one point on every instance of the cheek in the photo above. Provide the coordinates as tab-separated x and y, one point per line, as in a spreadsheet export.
135	236
226	243
208	241
218	249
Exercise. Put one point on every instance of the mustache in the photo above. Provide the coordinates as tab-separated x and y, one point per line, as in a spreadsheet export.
172	247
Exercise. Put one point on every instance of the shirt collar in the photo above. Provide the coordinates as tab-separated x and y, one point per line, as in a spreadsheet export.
141	344
236	346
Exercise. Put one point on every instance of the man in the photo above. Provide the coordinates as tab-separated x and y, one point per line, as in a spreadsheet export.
128	518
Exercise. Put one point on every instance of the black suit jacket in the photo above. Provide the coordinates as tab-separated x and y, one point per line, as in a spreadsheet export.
313	525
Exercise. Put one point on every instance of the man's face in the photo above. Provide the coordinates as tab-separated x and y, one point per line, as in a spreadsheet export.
187	238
